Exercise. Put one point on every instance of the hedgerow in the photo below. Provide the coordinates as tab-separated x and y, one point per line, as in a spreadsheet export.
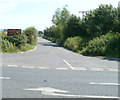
27	40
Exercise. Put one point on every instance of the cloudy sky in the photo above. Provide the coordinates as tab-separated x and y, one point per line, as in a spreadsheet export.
38	13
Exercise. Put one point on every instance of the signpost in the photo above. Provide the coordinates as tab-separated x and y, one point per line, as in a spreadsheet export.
11	32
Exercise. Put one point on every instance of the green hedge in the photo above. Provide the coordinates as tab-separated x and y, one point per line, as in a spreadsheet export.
106	45
75	43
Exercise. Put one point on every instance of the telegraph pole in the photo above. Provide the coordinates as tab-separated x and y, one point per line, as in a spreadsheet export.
119	4
83	13
119	10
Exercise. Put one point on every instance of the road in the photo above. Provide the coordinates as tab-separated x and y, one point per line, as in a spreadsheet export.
54	72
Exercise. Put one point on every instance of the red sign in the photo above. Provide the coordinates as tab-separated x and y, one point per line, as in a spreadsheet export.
11	32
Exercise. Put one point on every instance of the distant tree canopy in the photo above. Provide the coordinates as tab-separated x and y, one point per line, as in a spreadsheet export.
100	21
97	22
40	32
61	16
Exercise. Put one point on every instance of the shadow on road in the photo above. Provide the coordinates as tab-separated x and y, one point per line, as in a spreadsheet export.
104	58
112	59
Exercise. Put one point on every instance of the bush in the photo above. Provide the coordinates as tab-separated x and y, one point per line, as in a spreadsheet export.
75	43
32	35
113	47
17	40
106	45
7	46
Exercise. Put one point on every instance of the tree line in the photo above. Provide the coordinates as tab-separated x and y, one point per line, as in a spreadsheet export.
98	33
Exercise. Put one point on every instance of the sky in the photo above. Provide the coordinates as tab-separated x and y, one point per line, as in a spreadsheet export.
20	14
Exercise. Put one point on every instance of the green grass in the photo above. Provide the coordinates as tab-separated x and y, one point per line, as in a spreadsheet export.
24	48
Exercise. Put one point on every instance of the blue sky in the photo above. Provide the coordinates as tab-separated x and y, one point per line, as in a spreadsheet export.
38	13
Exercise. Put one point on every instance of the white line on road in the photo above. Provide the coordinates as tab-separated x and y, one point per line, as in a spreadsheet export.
68	64
7	78
99	97
43	67
64	93
80	68
96	69
112	69
27	67
62	68
114	84
12	65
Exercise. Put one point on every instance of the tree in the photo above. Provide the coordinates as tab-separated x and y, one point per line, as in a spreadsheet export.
60	18
31	33
72	27
116	27
100	21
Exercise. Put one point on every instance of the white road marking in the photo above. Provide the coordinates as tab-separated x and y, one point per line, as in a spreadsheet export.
73	68
112	69
27	67
114	84
93	96
80	68
58	92
62	68
43	67
68	64
12	65
7	78
96	69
